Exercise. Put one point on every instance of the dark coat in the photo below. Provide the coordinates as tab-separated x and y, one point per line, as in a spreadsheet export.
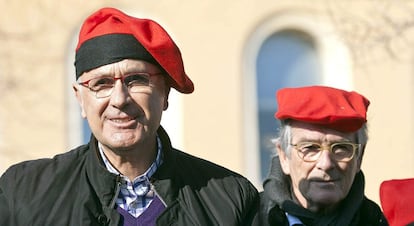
276	200
75	189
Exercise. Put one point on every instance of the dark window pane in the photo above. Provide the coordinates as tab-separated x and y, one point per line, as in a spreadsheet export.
286	59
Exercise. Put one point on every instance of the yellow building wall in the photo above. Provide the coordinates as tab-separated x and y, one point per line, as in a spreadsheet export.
35	45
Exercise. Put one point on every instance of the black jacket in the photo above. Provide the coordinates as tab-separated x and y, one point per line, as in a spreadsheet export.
75	189
276	200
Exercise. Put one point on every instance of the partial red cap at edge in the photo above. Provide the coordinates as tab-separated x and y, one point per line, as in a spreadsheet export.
397	200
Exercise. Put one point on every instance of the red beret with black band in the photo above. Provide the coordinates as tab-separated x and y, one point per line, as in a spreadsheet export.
326	106
109	35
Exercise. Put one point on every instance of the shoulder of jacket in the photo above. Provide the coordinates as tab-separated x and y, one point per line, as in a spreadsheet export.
189	164
273	216
371	213
201	173
31	168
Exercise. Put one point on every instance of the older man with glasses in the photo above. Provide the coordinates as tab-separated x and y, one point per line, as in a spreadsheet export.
315	178
128	173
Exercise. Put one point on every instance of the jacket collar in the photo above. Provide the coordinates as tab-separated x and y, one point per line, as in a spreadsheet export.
277	194
105	183
164	179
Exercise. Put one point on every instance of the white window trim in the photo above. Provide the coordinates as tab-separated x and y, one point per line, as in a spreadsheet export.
74	128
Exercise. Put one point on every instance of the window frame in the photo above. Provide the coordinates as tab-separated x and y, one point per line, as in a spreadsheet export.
336	71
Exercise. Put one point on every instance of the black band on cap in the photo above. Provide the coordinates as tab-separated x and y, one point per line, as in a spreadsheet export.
109	49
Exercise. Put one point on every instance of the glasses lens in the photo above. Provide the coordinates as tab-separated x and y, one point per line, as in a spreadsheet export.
97	84
343	151
102	86
136	82
309	151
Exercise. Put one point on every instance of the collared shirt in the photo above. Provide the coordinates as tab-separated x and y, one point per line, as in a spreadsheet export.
135	196
293	220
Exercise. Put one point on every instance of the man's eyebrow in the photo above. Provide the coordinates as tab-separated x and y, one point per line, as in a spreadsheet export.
101	74
318	140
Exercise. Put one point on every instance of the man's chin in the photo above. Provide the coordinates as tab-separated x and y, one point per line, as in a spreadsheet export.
327	198
122	143
125	137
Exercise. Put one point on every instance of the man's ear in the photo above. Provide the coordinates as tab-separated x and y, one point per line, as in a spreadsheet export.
167	93
283	158
360	156
78	96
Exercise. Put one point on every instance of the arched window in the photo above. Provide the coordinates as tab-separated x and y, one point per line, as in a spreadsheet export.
287	50
287	58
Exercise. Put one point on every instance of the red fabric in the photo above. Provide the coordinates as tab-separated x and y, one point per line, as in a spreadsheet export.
148	32
397	201
330	107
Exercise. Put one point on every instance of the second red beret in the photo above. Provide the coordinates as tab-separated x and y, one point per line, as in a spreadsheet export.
330	107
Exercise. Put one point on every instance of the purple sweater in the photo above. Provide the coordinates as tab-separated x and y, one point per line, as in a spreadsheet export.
147	218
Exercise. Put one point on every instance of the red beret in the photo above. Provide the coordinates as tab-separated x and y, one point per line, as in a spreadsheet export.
104	38
330	107
397	201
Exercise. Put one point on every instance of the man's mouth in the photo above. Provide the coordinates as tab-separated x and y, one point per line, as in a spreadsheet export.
321	180
122	120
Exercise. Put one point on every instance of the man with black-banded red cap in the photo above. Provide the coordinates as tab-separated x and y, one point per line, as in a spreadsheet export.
316	178
129	173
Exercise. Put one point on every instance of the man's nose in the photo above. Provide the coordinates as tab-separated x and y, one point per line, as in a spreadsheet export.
325	160
120	93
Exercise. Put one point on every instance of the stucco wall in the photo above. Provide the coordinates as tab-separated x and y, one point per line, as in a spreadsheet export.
212	35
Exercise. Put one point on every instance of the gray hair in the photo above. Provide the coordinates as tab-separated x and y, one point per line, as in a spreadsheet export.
285	136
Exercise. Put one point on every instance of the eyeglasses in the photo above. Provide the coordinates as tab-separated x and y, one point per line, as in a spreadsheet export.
104	86
341	151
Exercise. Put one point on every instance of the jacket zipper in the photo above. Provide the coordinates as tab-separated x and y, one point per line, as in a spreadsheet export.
159	196
117	190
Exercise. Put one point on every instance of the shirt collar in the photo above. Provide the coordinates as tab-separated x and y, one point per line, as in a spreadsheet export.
148	173
293	220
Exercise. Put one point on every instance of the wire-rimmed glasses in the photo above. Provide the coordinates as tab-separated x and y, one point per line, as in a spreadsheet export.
103	86
341	151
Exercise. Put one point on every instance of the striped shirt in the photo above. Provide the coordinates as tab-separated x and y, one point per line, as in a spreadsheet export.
135	196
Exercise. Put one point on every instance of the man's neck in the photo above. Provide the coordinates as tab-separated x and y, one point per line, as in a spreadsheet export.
131	163
315	207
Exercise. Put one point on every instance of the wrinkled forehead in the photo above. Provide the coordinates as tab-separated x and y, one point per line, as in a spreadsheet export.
122	68
314	132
